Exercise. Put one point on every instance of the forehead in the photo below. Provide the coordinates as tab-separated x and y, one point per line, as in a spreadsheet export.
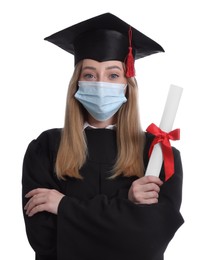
101	65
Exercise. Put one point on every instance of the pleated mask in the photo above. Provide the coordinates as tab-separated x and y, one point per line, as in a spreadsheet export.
101	99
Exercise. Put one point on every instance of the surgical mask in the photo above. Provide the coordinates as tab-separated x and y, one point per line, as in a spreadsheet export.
101	99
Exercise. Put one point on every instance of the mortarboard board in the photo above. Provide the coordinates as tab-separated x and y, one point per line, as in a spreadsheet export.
104	37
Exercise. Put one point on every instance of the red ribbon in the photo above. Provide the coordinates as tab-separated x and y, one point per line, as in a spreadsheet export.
163	138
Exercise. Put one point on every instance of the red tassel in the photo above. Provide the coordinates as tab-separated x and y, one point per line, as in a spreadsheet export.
130	70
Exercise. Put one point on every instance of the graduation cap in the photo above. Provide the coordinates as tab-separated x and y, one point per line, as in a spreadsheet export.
105	37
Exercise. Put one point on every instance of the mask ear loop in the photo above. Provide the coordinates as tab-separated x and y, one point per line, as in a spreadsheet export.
130	70
125	86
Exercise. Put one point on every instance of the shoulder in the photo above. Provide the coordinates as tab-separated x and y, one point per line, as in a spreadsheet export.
47	141
49	135
39	161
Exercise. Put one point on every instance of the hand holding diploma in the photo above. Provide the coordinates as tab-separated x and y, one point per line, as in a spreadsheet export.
161	149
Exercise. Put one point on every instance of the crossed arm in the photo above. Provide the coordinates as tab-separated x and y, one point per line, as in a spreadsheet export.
144	190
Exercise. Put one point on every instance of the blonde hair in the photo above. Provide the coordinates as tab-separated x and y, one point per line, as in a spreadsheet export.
72	151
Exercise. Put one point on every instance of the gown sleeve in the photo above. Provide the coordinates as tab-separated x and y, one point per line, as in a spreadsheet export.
41	229
100	227
171	191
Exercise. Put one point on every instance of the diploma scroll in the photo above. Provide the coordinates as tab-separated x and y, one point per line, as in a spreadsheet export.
166	124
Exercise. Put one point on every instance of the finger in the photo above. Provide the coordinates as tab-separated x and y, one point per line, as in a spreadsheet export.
151	195
150	201
140	193
36	209
155	180
151	187
33	198
149	179
34	201
35	192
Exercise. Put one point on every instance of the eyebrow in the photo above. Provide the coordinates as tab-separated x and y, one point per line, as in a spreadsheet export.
107	68
88	67
113	67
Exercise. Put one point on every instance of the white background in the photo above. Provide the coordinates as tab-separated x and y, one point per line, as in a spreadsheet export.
34	76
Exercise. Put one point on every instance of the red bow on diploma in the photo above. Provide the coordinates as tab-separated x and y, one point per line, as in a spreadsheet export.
163	138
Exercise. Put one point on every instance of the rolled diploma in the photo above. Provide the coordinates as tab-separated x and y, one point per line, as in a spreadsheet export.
166	124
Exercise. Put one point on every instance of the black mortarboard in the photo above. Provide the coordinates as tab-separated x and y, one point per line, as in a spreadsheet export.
105	37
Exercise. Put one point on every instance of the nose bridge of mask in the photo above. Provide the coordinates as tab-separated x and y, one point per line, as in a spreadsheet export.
102	88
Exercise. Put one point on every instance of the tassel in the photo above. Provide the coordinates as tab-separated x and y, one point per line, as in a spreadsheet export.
130	70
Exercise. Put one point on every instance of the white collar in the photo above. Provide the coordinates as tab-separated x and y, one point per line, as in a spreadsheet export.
111	127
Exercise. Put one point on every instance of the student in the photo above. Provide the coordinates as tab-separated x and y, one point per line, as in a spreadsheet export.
85	196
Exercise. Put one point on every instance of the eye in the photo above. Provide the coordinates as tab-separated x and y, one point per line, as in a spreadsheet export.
88	76
114	76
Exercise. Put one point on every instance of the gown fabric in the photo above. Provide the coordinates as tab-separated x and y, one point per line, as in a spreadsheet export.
95	220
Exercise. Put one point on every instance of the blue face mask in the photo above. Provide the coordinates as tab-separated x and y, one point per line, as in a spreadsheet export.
101	99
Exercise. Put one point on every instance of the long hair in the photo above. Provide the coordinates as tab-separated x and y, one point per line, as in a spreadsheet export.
72	151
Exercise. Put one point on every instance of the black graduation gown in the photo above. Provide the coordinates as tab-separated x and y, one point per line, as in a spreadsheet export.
95	219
